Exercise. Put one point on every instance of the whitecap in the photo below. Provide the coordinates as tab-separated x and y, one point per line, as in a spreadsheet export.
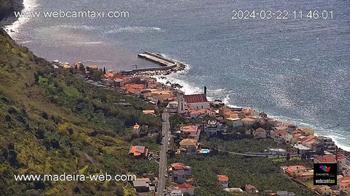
135	29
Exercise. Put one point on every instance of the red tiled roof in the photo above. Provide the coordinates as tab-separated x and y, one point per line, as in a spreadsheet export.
222	178
196	98
138	150
192	129
178	166
329	158
184	186
294	168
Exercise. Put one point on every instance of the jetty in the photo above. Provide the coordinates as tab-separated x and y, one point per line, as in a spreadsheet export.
167	65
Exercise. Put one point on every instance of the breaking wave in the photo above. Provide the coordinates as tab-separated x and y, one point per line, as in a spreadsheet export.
135	29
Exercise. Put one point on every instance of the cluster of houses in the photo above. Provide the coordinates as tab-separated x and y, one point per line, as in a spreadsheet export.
224	122
181	180
304	175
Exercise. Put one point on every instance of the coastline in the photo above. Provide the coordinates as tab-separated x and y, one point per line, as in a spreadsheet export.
12	25
7	17
170	79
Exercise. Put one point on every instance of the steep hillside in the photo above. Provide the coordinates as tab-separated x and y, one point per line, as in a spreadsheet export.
52	121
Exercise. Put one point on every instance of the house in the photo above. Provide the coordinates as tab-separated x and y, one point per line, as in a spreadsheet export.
328	144
142	184
323	190
149	112
190	131
198	113
223	180
189	145
234	122
344	184
282	136
249	122
182	189
306	175
249	112
303	151
306	131
172	107
233	190
329	158
134	88
343	164
294	170
260	133
213	127
285	193
138	151
179	172
277	152
229	113
309	141
250	189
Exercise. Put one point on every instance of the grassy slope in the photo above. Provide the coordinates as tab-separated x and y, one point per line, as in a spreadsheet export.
53	122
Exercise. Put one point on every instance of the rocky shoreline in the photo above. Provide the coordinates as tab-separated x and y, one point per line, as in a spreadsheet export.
7	7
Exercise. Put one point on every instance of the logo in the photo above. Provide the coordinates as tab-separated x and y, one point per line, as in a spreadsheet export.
325	168
325	174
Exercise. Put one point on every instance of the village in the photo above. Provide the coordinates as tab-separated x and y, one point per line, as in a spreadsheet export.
213	119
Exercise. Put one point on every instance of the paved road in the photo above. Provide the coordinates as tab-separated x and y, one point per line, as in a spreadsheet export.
163	154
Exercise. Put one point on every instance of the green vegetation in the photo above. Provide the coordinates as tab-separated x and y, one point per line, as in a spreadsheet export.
53	122
260	172
263	173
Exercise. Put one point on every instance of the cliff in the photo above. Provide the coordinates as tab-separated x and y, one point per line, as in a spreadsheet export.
53	122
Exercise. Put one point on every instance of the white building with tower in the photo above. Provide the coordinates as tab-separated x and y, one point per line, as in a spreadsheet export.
192	102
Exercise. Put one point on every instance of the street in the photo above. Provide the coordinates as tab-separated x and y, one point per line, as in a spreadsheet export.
163	154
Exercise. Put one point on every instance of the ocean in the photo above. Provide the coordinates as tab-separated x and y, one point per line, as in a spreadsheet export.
296	70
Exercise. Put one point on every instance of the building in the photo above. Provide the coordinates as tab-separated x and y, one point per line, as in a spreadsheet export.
213	127
294	170
249	122
344	184
323	190
329	158
172	107
285	193
179	172
303	151
306	131
189	145
190	131
149	112
260	133
194	101
138	151
328	144
233	190
282	136
134	88
250	189
142	184
234	122
182	189
223	180
306	175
